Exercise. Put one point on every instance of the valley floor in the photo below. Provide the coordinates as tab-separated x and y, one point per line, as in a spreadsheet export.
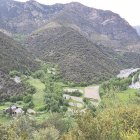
38	97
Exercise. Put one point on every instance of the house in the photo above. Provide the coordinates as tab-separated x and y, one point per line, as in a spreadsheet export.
18	111
14	110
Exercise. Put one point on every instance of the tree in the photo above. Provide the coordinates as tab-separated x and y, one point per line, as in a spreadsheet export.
39	74
47	134
27	99
110	124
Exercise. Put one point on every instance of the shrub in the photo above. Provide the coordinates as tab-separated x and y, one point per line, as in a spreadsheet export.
138	93
110	124
74	93
31	89
31	104
39	74
27	98
47	134
14	73
43	108
13	99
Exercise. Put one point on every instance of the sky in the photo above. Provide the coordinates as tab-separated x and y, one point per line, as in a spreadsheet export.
127	9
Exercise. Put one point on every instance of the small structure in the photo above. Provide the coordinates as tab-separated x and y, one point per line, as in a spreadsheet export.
14	110
17	79
31	111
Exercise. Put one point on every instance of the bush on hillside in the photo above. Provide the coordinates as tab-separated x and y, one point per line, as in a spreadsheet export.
74	93
39	74
14	73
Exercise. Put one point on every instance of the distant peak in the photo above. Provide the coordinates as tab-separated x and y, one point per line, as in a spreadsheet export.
75	3
32	1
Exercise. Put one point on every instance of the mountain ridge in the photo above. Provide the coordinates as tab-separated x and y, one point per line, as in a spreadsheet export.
31	15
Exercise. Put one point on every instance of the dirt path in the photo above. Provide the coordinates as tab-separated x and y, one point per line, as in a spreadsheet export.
92	92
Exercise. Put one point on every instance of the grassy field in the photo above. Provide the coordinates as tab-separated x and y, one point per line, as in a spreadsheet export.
5	120
38	97
127	95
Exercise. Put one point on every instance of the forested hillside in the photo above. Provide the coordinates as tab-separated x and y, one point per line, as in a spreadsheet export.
80	60
13	56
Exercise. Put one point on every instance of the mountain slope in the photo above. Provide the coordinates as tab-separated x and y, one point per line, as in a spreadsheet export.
9	88
80	59
13	56
76	37
93	21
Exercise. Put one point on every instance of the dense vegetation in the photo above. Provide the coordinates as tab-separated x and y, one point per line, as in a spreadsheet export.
115	84
13	56
121	122
53	92
15	60
80	60
54	96
73	93
10	90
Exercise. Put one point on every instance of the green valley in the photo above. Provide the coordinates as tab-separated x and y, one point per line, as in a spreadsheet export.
69	71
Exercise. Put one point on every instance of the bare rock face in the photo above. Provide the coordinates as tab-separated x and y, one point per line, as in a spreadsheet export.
23	18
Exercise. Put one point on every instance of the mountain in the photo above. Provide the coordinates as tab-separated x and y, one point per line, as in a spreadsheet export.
85	42
79	58
104	25
138	29
25	17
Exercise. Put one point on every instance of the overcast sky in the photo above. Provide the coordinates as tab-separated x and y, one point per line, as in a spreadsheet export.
128	9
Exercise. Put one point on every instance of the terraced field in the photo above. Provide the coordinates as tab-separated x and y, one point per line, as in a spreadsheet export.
91	93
